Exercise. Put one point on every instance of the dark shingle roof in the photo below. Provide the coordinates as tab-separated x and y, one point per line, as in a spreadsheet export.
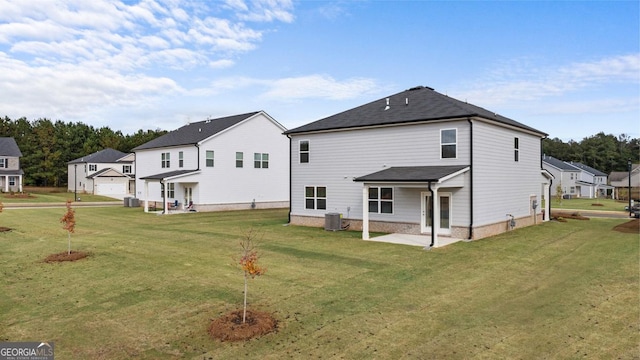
558	163
411	173
105	156
413	105
589	169
168	174
195	132
9	147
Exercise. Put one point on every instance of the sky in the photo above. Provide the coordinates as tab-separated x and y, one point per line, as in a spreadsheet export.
568	68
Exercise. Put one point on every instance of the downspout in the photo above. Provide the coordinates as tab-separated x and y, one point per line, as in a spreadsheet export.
433	218
290	179
470	178
198	147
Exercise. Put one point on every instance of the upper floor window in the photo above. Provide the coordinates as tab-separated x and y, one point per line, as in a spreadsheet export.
209	161
260	160
239	159
126	169
571	176
4	163
448	143
304	151
516	149
93	167
381	200
181	159
315	197
166	160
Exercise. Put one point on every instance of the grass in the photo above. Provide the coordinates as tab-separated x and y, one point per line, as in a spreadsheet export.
153	283
588	204
50	195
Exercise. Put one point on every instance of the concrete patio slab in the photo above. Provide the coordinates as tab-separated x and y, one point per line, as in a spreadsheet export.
414	240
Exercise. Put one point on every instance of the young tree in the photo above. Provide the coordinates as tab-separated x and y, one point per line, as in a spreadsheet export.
69	223
559	193
249	264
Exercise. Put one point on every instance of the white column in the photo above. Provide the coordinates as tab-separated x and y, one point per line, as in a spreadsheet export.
165	206
365	212
146	196
436	216
20	182
6	183
547	202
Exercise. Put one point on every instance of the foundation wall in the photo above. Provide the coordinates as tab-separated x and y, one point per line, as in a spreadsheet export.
241	206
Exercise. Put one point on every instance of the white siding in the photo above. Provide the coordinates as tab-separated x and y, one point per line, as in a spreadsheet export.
336	158
501	185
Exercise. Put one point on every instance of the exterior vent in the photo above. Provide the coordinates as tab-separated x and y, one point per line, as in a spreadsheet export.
333	222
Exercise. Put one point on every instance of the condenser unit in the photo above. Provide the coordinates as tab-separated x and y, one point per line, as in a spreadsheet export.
333	222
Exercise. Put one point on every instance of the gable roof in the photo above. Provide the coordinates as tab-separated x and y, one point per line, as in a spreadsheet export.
413	105
108	172
193	133
107	155
588	169
558	163
9	147
411	174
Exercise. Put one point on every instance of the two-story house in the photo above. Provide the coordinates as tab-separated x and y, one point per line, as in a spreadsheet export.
11	174
234	162
576	180
414	159
593	182
107	172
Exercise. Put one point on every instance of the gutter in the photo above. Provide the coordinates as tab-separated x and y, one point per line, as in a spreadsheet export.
433	218
470	178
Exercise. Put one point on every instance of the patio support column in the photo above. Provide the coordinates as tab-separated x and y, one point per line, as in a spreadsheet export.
146	196
165	206
547	202
436	215
6	183
365	212
20	182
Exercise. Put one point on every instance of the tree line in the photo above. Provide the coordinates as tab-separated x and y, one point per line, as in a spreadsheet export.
47	146
604	152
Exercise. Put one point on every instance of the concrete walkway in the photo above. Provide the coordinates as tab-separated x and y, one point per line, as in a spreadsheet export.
414	240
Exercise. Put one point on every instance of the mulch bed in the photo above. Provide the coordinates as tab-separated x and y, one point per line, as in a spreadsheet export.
229	327
66	256
630	227
563	215
3	229
18	196
597	204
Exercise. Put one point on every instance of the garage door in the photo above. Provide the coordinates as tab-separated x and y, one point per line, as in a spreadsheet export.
106	189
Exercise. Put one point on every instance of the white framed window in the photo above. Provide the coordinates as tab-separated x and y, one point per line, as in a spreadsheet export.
304	151
181	159
210	159
12	180
4	163
93	167
171	190
516	149
381	200
239	159
261	160
315	197
165	158
448	143
126	169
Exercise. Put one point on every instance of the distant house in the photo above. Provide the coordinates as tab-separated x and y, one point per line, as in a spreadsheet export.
234	162
106	172
414	159
576	179
11	174
619	180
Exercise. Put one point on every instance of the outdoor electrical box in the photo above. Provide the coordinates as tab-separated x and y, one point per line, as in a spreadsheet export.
333	222
534	204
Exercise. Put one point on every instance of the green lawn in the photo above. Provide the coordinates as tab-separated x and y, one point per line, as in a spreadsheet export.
47	196
589	204
557	290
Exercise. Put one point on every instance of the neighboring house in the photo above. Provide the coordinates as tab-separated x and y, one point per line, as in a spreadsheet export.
106	172
415	159
11	174
620	181
235	162
576	180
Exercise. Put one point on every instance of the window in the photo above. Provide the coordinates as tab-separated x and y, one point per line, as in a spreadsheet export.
516	149
381	200
209	158
4	163
260	161
93	167
181	159
12	180
166	160
239	159
304	151
571	176
126	169
315	197
171	192
573	189
448	143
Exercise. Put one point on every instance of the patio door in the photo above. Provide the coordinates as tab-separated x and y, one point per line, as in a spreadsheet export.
188	196
445	213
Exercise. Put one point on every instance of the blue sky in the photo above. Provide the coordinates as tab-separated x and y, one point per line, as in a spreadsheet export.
568	68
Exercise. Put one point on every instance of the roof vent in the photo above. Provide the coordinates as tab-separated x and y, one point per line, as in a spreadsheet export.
406	101
387	107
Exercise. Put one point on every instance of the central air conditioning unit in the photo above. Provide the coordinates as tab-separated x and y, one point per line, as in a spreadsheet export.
333	222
